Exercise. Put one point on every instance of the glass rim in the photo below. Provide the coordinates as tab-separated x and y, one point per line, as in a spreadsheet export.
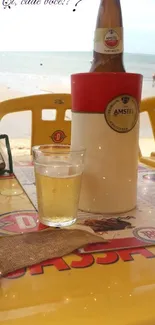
37	148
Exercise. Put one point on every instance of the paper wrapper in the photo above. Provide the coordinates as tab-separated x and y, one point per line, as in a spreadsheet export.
19	251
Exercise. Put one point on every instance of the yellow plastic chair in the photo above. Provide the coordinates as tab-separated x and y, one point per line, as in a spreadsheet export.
148	105
43	131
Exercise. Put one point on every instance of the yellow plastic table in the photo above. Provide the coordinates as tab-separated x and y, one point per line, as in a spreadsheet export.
117	287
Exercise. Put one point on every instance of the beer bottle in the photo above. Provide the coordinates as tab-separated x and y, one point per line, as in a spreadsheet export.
108	40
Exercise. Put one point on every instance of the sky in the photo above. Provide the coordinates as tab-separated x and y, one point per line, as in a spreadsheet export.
57	28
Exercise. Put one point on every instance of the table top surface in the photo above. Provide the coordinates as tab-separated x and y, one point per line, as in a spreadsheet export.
116	287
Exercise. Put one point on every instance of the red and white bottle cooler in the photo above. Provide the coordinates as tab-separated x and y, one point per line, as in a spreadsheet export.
105	120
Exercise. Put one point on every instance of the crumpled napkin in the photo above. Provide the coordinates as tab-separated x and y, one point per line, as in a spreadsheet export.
23	250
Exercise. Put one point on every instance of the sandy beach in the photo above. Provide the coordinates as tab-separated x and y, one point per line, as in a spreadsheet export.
21	147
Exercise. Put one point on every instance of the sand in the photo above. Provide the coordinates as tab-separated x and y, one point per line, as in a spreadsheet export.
8	93
22	146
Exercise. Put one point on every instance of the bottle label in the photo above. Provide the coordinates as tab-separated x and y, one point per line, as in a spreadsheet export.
122	113
108	41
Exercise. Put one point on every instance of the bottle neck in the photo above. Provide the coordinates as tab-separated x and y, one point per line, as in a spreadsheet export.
109	14
108	38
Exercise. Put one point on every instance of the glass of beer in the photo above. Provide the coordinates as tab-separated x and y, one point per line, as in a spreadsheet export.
58	173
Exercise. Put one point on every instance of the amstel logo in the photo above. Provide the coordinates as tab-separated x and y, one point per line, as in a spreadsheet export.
19	222
147	234
112	39
58	136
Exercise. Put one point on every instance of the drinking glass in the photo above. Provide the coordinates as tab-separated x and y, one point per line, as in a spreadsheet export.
58	173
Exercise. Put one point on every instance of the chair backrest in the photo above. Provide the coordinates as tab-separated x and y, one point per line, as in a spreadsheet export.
148	105
43	131
59	129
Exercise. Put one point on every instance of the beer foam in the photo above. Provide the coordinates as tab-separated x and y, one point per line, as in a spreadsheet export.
59	169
